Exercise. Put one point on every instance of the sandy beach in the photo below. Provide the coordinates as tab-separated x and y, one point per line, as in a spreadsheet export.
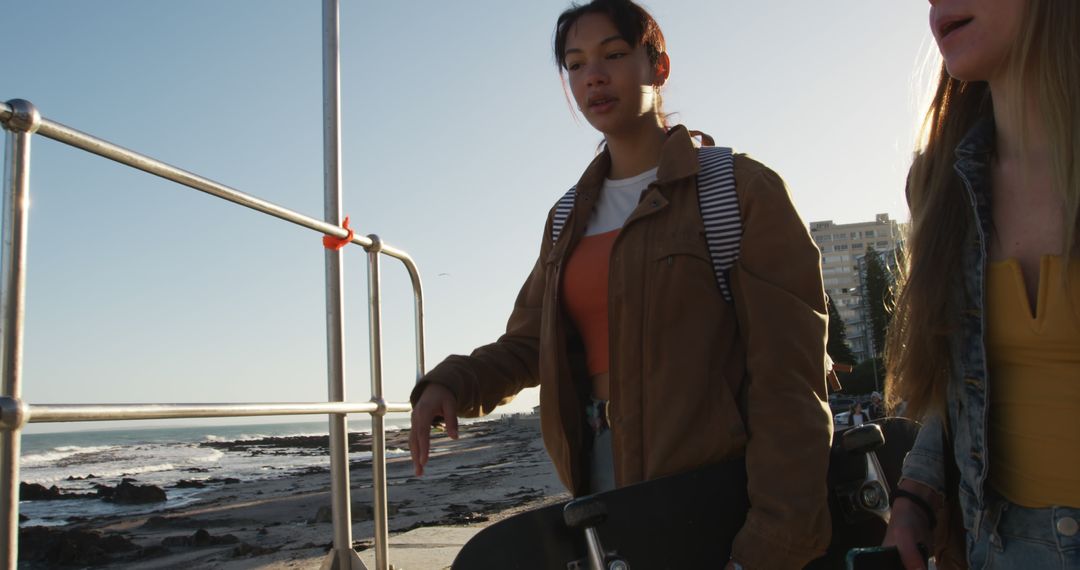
495	469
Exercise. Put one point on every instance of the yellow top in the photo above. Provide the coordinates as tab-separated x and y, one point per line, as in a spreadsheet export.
1034	419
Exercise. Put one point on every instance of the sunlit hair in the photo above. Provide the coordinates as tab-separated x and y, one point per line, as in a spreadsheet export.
634	23
1045	65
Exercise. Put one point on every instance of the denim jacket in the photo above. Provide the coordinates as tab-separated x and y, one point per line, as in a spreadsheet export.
967	392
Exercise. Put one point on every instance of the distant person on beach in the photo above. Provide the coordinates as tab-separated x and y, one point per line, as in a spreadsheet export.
985	344
644	368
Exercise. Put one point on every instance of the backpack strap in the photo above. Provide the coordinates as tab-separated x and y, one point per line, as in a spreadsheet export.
562	212
719	207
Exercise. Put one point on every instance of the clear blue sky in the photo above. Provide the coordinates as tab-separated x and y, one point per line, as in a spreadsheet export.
457	138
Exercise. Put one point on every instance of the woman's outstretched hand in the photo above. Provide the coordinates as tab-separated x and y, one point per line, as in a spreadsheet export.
909	526
436	402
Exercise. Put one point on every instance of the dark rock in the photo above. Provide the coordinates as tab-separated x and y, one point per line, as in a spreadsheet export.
36	492
74	478
201	537
224	539
127	493
154	551
189	484
244	549
270	445
176	541
223	480
56	547
324	515
158	522
23	518
115	543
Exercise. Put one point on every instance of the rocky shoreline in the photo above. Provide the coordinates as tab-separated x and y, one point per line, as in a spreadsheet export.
495	467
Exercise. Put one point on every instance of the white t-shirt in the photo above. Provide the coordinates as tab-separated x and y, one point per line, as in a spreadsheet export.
618	198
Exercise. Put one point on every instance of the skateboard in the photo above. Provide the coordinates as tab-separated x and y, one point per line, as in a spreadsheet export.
689	520
863	469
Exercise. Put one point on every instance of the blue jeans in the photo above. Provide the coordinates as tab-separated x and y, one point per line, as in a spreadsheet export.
1011	536
601	466
601	460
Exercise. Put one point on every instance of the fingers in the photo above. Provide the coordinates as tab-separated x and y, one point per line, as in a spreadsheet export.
423	445
436	402
903	533
449	414
418	448
910	556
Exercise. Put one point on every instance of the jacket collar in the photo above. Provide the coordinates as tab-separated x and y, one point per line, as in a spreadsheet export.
978	143
973	158
678	159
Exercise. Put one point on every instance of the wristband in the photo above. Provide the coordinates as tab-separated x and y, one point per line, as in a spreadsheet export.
917	501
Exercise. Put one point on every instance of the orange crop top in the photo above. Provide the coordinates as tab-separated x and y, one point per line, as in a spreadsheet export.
585	296
585	276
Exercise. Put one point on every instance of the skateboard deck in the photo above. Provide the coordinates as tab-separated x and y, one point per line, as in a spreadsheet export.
706	506
684	521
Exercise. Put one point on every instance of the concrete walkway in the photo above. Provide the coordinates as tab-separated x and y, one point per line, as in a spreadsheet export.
425	548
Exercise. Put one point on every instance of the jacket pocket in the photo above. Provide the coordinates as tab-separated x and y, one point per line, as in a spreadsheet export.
680	284
690	245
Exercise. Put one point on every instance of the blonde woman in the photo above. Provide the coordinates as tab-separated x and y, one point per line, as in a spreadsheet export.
985	345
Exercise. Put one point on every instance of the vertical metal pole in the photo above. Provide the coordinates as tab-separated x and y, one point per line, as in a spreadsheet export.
418	313
20	128
343	553
378	429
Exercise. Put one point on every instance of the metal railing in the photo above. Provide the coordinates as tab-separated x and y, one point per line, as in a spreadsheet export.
21	120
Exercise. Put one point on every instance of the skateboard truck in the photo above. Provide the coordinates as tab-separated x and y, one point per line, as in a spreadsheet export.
872	494
588	513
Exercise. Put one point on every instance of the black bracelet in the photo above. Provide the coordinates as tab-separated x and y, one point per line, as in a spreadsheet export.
918	501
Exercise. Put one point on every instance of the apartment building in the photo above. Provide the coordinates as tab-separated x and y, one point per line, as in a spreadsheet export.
842	249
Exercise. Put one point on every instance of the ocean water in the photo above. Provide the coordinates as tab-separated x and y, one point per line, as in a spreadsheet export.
77	461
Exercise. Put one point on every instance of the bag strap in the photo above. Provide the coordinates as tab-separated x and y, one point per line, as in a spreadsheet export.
562	212
719	206
720	214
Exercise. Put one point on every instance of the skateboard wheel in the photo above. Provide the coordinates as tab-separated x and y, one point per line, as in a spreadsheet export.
863	439
873	496
618	565
584	513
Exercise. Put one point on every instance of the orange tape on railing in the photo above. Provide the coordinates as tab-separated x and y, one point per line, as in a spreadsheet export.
336	243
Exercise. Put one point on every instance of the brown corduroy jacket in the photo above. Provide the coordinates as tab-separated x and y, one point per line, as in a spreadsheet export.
693	379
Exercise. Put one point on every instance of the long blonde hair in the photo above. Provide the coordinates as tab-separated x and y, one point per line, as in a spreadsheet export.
1044	62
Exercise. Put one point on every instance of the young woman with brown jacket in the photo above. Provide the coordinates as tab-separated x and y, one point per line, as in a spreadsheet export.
644	368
